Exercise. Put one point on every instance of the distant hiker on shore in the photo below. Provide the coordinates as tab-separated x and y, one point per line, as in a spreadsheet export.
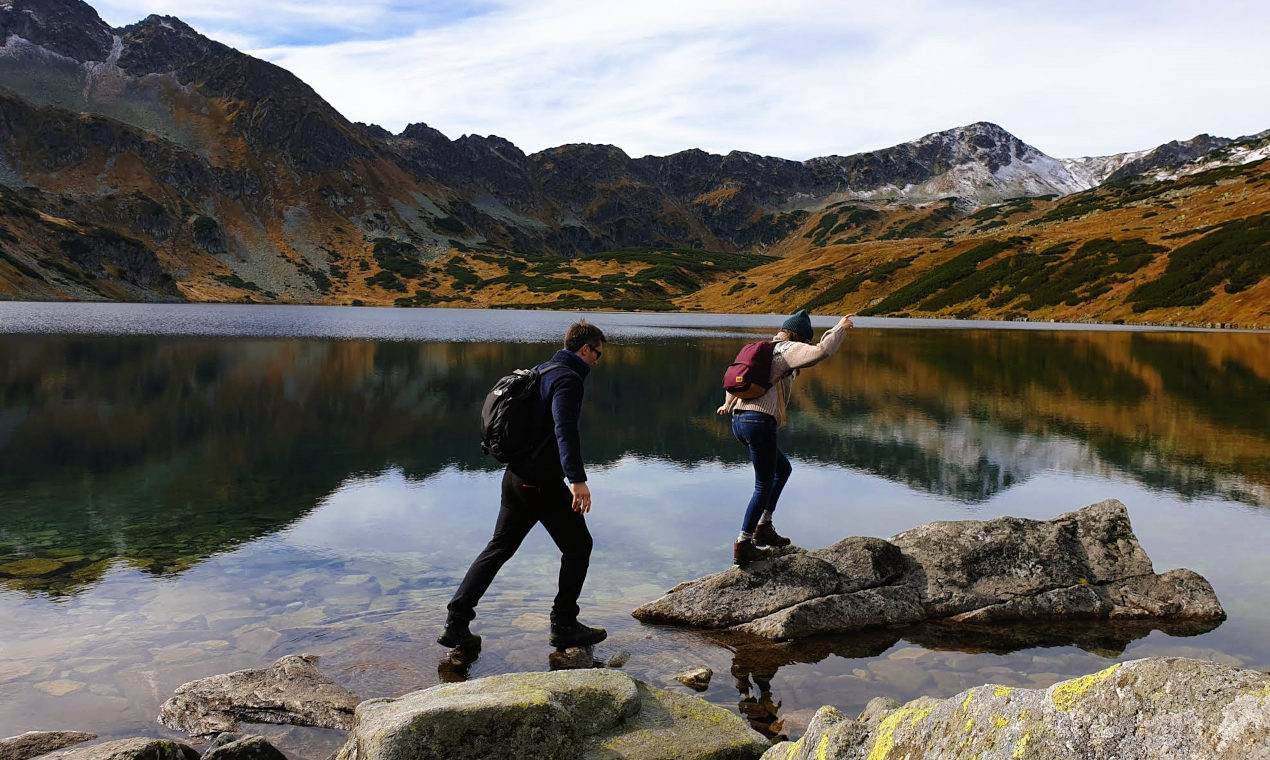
758	407
533	491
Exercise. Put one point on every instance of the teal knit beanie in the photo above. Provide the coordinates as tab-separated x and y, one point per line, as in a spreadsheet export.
799	324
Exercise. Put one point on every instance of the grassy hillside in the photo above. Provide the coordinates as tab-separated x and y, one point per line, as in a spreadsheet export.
1194	251
1191	251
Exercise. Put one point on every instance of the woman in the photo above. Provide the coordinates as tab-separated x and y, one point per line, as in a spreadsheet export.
755	422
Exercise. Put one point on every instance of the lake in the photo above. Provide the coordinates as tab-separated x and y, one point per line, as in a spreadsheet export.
188	490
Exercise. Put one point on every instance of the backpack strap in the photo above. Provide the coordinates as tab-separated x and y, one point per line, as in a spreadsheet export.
541	374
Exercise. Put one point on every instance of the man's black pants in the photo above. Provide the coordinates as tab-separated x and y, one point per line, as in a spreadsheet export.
523	506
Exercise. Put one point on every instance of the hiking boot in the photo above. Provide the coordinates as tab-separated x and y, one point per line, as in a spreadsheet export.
766	535
745	552
575	634
457	636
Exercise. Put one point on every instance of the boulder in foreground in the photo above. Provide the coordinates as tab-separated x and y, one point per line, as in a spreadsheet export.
291	691
1158	708
564	714
35	743
130	749
1083	565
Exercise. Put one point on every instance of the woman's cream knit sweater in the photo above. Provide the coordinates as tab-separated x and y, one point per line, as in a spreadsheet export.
787	359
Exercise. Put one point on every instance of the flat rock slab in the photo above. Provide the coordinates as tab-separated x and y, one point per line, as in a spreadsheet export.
565	714
1159	708
35	743
1083	565
291	691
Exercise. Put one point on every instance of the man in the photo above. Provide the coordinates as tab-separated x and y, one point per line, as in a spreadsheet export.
534	491
755	423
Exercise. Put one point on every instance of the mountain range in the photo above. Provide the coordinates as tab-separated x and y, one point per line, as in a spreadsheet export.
151	163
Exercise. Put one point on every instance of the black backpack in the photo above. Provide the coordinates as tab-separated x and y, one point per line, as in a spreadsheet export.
507	415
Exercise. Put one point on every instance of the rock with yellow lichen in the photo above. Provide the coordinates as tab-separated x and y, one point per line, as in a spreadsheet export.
566	714
1159	708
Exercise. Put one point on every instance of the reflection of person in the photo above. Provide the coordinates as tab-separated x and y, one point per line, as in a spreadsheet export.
755	422
763	711
534	491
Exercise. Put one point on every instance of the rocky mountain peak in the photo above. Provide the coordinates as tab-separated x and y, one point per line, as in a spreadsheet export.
982	142
69	28
161	44
423	133
1171	154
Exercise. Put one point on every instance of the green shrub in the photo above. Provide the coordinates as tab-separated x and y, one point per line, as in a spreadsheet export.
234	281
801	280
951	271
841	289
401	259
1237	252
387	281
449	224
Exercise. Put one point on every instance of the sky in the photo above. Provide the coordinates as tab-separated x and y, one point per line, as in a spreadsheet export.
794	79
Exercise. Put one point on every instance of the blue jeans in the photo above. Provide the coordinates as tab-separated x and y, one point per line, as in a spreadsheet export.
757	431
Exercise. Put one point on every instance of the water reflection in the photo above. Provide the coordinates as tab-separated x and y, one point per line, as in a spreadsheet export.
172	508
162	451
757	661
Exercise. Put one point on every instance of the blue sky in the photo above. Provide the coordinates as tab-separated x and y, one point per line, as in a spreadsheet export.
795	79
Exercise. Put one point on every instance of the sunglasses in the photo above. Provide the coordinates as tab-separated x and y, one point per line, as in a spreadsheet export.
597	352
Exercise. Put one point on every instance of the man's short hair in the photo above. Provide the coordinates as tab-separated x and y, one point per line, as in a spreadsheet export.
582	333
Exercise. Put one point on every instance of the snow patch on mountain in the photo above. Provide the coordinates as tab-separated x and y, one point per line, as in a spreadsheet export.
1245	150
1092	171
987	164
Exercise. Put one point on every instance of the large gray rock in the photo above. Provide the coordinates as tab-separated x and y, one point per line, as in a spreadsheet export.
862	562
566	714
840	613
130	749
739	595
1084	565
291	691
1158	708
35	743
245	748
965	565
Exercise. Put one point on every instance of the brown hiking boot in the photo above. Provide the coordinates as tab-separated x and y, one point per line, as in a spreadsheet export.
745	552
766	535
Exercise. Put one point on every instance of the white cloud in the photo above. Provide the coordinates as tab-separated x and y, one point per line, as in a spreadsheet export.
796	79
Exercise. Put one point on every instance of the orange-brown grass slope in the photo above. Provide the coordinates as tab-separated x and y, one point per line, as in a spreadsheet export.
1195	250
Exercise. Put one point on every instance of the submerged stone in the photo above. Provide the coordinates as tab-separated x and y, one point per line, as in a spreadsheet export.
697	679
31	568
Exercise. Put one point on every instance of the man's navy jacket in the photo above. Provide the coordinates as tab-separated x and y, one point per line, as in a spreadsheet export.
557	406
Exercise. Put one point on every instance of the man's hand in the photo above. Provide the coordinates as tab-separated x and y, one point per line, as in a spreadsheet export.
581	497
846	321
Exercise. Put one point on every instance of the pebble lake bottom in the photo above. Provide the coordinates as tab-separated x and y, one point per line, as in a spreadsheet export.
192	490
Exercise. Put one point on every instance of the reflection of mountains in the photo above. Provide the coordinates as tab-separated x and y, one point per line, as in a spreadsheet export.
968	413
161	451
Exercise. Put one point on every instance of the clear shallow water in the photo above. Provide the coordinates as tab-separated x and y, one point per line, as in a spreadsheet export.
257	481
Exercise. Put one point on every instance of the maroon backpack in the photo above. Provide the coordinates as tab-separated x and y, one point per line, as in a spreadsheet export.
750	375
